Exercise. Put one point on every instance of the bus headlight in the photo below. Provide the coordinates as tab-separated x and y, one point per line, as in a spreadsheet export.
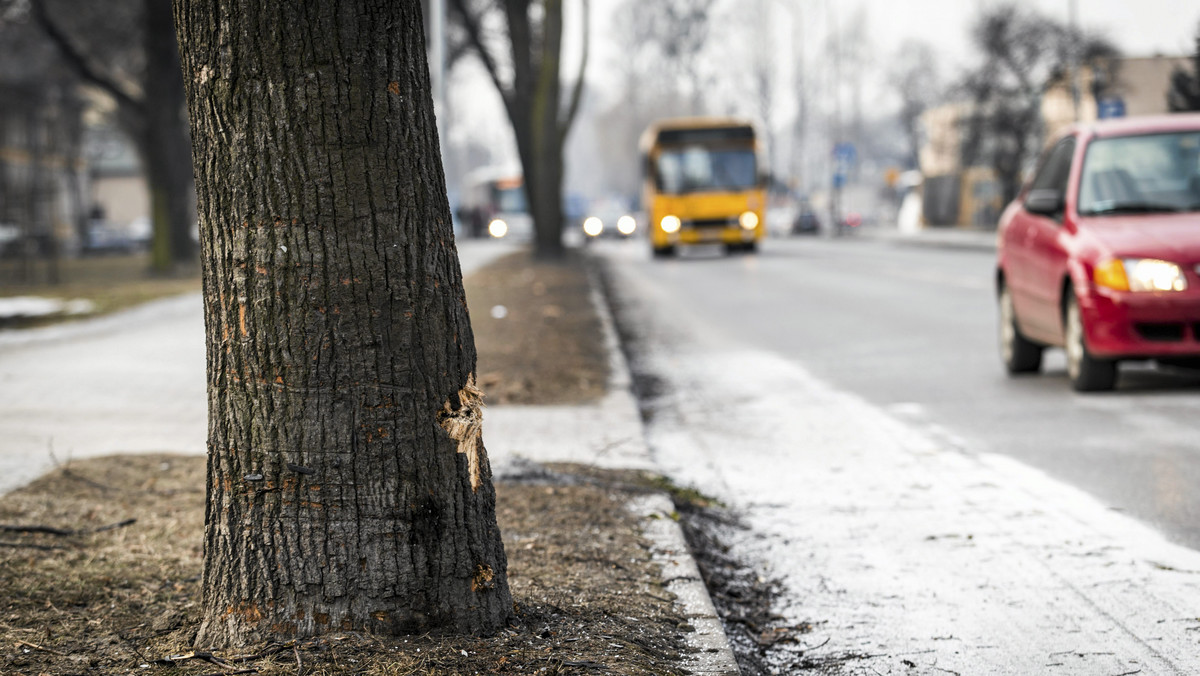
670	224
626	225
497	228
593	226
748	220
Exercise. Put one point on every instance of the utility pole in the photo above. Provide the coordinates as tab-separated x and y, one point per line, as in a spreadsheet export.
835	193
1073	23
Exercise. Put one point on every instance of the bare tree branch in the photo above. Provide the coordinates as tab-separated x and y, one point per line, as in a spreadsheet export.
471	22
76	60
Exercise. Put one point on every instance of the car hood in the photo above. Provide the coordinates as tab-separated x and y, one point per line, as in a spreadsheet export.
1174	237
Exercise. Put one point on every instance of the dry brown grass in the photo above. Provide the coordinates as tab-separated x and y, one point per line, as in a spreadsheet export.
110	282
588	598
549	347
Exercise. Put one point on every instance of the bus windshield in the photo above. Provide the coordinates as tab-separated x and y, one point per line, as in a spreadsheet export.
697	168
511	200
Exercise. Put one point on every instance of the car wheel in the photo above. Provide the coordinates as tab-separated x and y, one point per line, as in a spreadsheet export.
664	251
1086	373
1020	355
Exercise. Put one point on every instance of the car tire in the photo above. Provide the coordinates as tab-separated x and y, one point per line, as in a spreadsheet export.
1019	354
1086	373
664	251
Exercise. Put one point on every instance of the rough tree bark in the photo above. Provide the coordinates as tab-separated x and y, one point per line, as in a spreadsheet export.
348	487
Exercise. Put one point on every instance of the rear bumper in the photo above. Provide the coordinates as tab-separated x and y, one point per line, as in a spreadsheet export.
1142	325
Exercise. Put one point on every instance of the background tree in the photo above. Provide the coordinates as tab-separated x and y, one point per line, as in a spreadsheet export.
523	59
1023	52
914	75
678	30
41	124
1184	94
348	488
659	67
127	49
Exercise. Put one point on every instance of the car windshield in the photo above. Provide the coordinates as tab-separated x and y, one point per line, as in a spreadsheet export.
1141	174
700	169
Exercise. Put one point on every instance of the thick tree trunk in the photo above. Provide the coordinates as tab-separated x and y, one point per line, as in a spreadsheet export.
348	488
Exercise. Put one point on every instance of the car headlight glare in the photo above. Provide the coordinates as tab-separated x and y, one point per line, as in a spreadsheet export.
1140	274
670	224
593	226
748	220
626	225
498	228
1149	274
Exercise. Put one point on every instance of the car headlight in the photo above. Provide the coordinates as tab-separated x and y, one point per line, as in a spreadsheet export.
671	224
626	225
1140	274
497	228
748	220
593	226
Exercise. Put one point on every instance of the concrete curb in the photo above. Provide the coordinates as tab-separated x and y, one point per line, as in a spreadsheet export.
714	654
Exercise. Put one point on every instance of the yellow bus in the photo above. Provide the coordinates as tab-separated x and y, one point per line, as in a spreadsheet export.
702	184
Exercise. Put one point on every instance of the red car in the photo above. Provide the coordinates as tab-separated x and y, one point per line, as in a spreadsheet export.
1099	253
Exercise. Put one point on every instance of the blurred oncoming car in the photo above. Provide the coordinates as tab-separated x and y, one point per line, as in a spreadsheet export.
1100	253
608	218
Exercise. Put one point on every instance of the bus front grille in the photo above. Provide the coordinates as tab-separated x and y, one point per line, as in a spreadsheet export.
711	223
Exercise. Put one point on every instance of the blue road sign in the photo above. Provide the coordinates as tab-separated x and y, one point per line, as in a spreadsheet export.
1111	107
844	152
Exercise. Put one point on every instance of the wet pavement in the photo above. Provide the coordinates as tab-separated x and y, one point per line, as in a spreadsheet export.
907	551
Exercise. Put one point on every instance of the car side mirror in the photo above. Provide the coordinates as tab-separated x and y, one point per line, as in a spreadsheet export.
1045	202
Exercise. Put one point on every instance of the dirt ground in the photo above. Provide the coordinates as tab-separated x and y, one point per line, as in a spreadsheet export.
538	336
100	561
110	283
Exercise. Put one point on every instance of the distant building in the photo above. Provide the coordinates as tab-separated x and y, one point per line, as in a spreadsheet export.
954	194
117	187
1138	86
960	194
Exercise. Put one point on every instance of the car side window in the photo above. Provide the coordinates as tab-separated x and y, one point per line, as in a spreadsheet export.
1056	169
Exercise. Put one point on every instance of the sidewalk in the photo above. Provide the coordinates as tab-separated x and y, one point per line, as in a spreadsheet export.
163	342
609	434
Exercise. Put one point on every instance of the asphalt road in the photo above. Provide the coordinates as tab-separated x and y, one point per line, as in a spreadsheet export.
912	329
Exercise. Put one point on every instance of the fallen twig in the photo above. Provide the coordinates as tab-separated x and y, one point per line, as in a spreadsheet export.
27	545
64	532
35	646
82	479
